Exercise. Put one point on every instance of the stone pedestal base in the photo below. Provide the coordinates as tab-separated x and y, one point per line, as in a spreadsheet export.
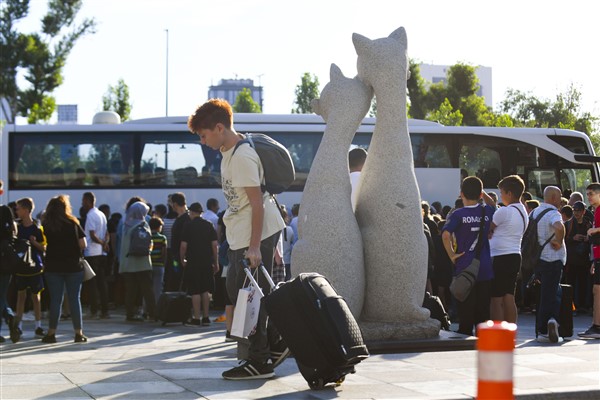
378	331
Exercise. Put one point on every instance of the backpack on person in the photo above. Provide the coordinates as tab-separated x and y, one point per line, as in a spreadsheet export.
16	256
275	159
531	249
140	241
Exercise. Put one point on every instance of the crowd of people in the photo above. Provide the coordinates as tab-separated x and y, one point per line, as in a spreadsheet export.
565	229
202	251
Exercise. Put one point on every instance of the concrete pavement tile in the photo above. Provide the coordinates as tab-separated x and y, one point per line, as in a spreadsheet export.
593	375
435	388
385	366
582	389
399	377
547	358
131	389
84	378
550	381
43	391
521	372
34	379
176	374
220	387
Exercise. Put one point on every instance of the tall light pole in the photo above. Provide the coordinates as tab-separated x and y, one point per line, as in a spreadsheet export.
167	78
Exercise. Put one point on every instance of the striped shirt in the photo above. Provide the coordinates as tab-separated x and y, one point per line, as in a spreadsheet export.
159	247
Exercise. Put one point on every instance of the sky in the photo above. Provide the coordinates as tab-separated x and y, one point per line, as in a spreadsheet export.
534	46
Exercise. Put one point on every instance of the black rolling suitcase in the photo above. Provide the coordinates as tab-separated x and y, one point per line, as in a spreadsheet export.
318	327
174	307
565	315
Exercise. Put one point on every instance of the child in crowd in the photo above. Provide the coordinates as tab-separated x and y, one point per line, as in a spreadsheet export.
158	255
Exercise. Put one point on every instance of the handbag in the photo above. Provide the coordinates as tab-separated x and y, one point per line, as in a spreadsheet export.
463	283
247	308
88	272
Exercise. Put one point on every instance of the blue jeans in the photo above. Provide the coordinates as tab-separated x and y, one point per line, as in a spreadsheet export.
4	308
158	275
549	274
57	282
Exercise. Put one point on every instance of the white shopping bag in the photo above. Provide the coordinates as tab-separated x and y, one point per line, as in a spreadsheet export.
247	306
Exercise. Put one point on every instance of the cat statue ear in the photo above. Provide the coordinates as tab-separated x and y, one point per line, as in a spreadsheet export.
335	72
360	42
315	104
400	35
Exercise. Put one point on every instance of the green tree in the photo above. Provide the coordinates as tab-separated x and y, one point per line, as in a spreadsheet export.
416	91
564	112
305	93
116	99
244	103
445	115
39	58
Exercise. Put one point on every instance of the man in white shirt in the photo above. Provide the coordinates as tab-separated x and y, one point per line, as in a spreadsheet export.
356	161
96	253
212	209
253	223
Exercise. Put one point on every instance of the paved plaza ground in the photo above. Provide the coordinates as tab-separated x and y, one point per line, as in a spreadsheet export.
148	361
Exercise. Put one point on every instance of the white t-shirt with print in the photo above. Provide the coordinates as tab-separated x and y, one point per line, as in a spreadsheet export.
239	171
510	225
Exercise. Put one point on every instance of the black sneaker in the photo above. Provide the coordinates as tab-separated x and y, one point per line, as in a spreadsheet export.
15	332
194	321
205	321
228	337
278	356
2	340
249	370
49	339
593	332
40	332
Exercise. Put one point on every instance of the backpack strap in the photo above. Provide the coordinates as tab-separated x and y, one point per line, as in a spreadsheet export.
522	217
537	220
246	139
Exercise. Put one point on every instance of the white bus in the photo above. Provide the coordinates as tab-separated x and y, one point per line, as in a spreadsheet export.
154	157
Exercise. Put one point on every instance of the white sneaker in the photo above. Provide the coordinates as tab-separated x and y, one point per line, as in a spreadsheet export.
553	330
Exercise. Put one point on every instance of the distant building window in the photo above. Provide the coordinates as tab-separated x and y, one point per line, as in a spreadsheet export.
437	79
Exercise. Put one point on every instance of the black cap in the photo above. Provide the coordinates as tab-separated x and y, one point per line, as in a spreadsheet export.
579	205
197	208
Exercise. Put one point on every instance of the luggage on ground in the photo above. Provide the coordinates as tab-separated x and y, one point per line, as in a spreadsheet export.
174	307
436	310
318	327
565	315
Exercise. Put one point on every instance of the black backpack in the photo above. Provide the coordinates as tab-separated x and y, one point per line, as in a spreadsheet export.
531	249
436	310
275	159
16	256
140	241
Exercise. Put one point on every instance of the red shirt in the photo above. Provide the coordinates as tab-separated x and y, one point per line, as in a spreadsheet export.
596	249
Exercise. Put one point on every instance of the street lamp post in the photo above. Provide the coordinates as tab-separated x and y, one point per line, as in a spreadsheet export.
167	78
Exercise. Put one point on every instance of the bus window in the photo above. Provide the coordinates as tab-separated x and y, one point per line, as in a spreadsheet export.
180	161
303	148
539	179
431	151
481	161
576	179
39	160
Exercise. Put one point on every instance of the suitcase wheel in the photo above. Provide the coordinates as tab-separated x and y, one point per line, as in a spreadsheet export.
340	381
317	384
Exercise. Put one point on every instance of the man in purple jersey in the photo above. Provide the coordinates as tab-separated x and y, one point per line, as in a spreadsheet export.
464	224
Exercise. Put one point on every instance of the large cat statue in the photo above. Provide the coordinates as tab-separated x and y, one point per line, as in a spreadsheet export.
388	204
329	237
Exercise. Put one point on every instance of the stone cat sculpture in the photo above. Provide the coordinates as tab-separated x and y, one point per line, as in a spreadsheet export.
329	237
388	206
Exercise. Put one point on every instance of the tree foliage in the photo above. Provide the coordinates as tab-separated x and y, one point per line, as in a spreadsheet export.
564	112
305	93
116	99
244	103
39	58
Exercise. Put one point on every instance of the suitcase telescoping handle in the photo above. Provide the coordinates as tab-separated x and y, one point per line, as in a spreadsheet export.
263	270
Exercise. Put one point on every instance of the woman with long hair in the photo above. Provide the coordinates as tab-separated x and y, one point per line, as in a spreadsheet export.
65	241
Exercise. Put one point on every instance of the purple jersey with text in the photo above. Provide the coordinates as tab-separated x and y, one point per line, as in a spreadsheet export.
464	224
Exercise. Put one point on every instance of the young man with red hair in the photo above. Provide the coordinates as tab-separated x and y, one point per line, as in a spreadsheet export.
253	226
